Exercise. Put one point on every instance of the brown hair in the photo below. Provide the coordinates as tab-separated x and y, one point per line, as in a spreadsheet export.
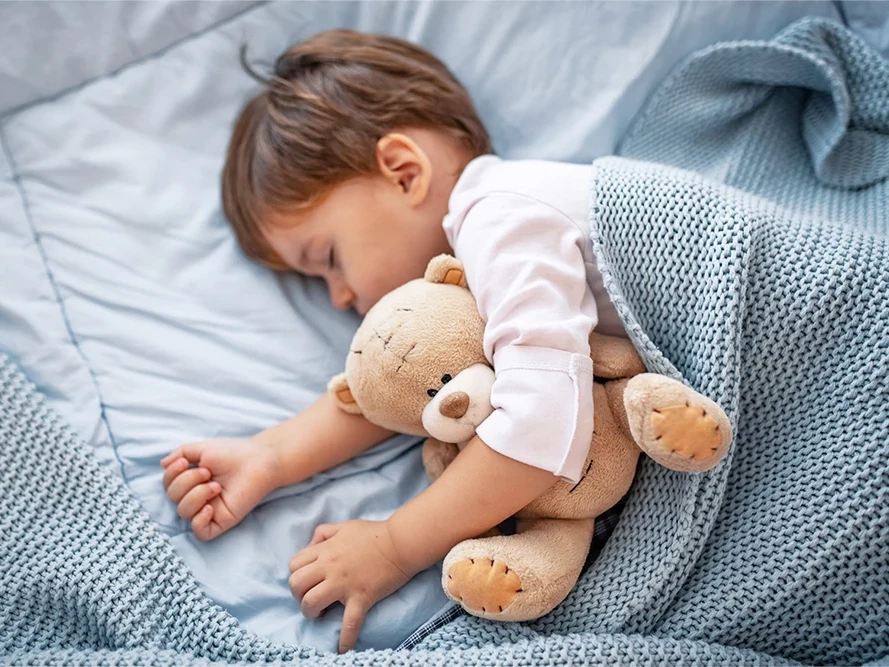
319	117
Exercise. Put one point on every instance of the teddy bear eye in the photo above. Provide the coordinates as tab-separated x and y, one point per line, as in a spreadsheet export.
446	378
432	392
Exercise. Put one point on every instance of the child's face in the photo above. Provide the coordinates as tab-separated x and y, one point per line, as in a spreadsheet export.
361	239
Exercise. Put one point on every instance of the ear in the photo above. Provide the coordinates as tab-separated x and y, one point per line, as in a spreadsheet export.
406	165
339	389
445	270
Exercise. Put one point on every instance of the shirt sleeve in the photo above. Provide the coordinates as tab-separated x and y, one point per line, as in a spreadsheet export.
524	264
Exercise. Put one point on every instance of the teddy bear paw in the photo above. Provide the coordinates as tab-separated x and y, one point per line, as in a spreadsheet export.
675	425
483	586
687	430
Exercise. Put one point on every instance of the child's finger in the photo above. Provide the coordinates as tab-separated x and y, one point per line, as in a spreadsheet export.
194	500
169	458
190	452
303	558
323	532
318	599
353	618
304	580
173	470
172	456
185	482
200	524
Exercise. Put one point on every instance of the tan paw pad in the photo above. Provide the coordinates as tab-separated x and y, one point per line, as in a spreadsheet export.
482	584
687	430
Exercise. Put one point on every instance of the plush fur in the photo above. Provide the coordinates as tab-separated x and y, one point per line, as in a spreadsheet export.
417	360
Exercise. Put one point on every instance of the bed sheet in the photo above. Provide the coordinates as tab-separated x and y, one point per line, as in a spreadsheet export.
126	299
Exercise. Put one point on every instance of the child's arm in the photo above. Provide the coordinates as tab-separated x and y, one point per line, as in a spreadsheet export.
524	263
476	492
317	439
361	562
215	483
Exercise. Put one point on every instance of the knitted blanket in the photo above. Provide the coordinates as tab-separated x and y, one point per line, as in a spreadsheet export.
746	246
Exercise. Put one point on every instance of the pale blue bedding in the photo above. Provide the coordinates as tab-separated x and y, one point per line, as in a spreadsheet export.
125	298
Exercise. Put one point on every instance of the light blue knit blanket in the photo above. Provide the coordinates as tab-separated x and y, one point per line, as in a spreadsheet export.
760	276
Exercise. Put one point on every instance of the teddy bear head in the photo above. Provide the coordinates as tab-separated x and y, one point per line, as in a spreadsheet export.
416	364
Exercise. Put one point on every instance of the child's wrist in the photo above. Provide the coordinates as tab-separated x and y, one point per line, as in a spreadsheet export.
407	543
278	474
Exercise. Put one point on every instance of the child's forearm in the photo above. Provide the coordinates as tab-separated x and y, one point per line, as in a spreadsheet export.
317	439
476	492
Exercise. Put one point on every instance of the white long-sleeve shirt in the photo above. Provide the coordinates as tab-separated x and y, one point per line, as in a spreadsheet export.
521	230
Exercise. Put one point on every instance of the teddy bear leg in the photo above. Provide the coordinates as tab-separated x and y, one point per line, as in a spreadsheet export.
675	425
518	577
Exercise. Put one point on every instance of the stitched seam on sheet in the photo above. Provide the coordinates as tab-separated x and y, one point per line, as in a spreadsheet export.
26	209
137	61
437	622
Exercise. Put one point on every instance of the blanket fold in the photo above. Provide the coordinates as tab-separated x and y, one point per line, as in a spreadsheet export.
743	236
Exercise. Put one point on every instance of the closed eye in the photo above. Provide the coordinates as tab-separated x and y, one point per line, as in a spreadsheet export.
331	259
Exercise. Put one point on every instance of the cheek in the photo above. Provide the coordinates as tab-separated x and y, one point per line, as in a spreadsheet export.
368	279
379	269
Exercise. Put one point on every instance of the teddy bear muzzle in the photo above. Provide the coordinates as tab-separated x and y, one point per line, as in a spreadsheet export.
461	405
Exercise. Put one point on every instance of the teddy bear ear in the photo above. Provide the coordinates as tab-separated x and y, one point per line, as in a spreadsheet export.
339	389
446	270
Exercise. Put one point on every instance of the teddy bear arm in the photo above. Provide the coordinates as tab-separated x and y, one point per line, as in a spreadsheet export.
437	456
614	357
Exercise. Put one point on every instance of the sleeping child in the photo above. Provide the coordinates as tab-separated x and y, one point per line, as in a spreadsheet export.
360	160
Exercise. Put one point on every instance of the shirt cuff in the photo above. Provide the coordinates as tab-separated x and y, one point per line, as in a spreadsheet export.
543	409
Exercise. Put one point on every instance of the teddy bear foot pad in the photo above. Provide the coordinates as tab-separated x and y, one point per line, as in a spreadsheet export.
483	585
675	425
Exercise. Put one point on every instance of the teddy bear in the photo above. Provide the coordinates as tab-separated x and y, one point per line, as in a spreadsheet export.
416	365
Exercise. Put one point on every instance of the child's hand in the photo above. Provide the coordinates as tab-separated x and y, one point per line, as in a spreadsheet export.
354	563
229	479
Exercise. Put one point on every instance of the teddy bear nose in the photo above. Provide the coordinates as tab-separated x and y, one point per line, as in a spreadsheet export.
455	405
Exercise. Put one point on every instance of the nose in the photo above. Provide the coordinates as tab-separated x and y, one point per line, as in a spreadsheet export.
340	295
455	405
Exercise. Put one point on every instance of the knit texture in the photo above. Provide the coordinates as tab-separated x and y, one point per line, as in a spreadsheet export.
746	247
